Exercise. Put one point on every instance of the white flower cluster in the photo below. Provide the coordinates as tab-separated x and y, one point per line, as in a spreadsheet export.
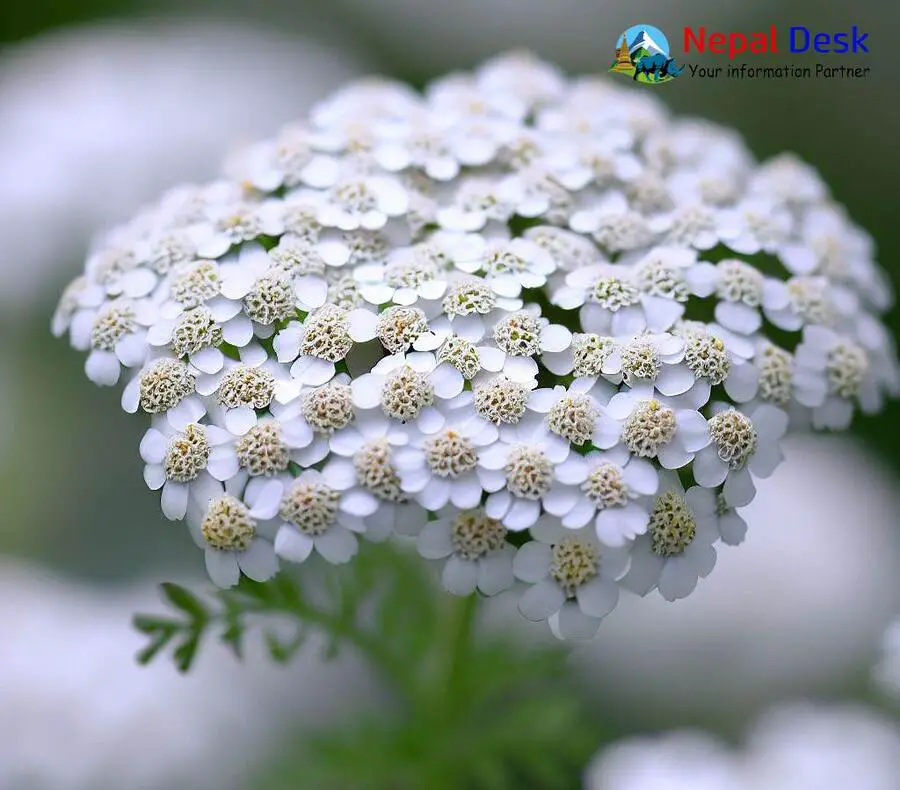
538	325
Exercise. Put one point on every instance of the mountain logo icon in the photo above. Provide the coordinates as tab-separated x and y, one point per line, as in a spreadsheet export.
642	53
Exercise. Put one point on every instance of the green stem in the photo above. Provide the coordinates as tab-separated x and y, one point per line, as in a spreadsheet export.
461	630
371	647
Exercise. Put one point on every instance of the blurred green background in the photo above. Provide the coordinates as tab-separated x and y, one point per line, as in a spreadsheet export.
70	478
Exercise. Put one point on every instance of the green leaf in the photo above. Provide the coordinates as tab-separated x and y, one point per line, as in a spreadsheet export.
283	650
186	652
161	635
185	600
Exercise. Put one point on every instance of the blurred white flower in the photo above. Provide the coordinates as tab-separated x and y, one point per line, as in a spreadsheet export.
796	746
79	713
804	746
96	120
683	760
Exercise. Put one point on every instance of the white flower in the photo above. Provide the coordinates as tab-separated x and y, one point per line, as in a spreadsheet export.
366	451
266	448
519	337
367	99
609	220
650	362
287	160
474	548
569	250
242	387
362	201
234	222
714	357
118	337
789	180
764	226
77	310
572	413
599	160
469	309
116	269
322	339
442	466
165	386
239	272
606	487
509	265
322	511
528	454
584	356
196	334
523	76
843	366
650	428
534	193
620	300
231	532
477	201
811	300
741	292
772	377
677	548
696	225
740	444
405	388
306	255
409	275
418	144
370	428
573	578
461	98
178	462
191	284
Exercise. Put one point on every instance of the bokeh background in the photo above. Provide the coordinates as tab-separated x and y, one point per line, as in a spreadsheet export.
104	103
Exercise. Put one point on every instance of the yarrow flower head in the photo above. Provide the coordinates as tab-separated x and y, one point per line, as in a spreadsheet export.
524	320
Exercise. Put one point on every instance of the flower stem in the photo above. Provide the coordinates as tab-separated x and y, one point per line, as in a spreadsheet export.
462	624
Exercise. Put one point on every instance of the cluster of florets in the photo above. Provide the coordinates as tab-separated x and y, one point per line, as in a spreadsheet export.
540	325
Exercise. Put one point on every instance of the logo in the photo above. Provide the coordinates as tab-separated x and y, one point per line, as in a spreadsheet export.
642	53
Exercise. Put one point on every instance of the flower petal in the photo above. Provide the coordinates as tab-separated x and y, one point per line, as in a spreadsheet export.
259	562
361	325
542	600
222	567
174	500
460	577
532	561
739	489
495	572
292	545
677	579
338	545
709	470
598	597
